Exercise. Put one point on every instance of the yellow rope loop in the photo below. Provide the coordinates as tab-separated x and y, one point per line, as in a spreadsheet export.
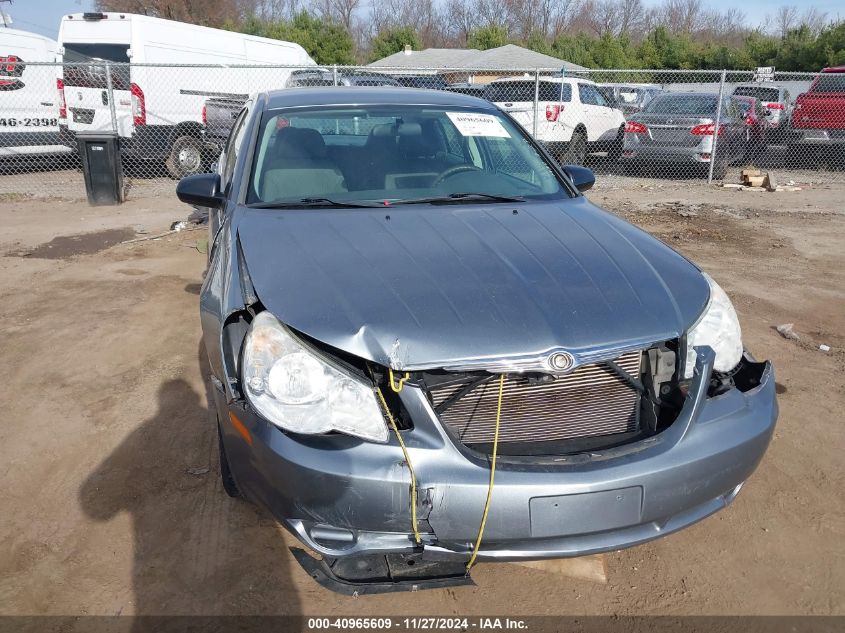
417	536
397	387
492	477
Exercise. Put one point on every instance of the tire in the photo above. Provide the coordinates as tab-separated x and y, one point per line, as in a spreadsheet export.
186	157
616	149
798	156
226	478
720	169
576	150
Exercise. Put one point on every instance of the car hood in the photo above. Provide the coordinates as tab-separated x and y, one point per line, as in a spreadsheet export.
423	286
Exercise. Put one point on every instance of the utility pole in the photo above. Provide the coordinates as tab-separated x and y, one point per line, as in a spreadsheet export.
3	13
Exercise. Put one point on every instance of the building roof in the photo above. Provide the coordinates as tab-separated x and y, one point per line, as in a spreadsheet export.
428	58
507	57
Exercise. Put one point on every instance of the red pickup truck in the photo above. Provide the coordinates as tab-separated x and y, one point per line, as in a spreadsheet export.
818	118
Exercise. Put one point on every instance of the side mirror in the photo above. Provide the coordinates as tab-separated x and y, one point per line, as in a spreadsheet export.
582	178
201	190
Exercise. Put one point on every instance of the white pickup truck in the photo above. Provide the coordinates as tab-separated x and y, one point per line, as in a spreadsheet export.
572	118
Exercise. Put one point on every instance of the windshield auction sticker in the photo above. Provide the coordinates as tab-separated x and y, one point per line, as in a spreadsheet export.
474	124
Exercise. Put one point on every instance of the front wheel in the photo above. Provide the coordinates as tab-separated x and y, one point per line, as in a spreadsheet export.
186	157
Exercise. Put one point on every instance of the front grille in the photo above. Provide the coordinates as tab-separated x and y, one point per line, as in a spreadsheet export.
588	402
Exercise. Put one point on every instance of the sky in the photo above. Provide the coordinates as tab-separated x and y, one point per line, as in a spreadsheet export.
42	16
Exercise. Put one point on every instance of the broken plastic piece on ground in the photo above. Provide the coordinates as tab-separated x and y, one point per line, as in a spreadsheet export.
824	348
381	573
786	331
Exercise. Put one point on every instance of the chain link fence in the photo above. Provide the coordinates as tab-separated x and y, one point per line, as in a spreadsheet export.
173	120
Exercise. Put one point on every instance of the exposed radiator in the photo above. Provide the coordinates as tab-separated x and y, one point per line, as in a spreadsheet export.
588	402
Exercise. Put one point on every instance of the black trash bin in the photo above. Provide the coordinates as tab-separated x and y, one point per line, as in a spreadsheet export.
101	165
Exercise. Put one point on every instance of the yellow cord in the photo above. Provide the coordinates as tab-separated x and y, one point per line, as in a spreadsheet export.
397	387
492	477
417	536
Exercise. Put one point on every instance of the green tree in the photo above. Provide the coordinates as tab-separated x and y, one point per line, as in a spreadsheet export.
490	36
326	42
610	51
394	40
536	41
577	49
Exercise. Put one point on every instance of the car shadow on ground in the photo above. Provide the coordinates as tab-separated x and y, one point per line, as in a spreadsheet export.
196	551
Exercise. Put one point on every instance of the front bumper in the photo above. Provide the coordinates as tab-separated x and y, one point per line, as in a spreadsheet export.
341	496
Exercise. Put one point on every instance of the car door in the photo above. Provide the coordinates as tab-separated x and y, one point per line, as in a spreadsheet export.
602	121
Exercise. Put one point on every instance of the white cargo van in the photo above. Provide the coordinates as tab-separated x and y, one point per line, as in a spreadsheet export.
157	110
29	95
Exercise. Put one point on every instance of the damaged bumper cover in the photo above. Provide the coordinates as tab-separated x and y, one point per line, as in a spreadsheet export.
344	497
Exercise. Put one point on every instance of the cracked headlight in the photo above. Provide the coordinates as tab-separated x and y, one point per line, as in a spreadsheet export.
300	390
717	327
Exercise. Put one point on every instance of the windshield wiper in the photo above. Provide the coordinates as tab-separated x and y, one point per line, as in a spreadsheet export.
464	196
311	202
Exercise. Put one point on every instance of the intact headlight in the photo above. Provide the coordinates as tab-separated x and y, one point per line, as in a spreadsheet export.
299	390
717	327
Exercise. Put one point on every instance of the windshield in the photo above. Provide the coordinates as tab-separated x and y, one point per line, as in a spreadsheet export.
522	91
682	104
763	94
830	82
394	154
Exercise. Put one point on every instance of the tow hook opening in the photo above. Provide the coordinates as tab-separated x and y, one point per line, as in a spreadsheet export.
382	573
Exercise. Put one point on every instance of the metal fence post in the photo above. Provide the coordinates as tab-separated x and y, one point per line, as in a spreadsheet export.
716	128
536	100
110	90
334	74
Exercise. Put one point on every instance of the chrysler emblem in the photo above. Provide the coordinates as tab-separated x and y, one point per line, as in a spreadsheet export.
561	361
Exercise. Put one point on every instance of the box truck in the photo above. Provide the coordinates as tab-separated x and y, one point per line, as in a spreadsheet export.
157	85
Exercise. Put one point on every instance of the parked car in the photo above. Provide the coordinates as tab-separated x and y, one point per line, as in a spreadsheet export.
157	109
818	118
325	77
774	98
572	117
432	82
404	293
30	101
757	125
631	98
466	88
680	128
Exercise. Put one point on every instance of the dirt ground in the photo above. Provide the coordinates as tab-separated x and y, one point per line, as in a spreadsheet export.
111	503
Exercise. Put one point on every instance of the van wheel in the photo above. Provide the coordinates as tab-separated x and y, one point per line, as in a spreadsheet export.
186	157
226	478
576	152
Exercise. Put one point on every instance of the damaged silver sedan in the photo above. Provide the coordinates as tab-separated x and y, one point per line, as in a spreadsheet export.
428	348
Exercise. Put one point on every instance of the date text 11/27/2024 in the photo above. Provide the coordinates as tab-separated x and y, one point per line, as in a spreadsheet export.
417	624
